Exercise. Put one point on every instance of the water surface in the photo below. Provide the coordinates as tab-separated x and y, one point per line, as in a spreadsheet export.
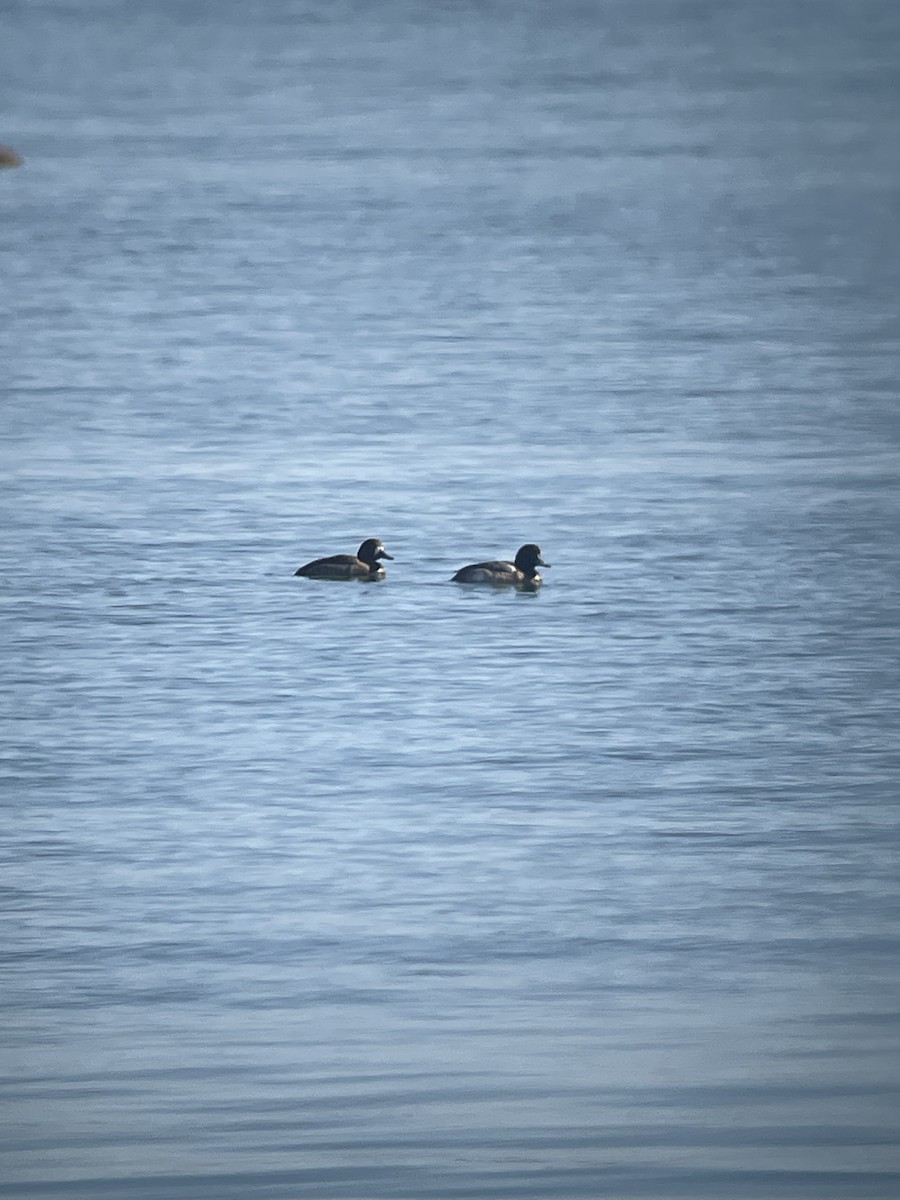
408	889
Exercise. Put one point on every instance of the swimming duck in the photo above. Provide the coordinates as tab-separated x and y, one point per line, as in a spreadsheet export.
363	564
521	572
9	157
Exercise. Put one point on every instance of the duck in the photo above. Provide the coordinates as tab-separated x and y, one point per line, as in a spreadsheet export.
521	573
9	157
363	564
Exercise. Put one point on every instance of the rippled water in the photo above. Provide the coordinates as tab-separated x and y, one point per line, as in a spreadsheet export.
409	889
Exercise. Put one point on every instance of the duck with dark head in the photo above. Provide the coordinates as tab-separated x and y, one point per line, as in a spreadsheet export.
363	564
520	573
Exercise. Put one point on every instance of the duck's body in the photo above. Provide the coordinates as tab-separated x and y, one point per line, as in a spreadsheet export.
363	564
521	572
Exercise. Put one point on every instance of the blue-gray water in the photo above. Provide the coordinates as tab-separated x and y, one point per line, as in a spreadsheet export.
408	891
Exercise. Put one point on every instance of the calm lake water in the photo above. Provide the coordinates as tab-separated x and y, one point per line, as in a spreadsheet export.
412	891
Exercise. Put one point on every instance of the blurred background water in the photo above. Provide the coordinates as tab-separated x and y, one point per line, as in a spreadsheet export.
407	889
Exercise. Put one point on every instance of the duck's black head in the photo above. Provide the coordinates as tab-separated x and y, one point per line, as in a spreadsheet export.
371	550
528	559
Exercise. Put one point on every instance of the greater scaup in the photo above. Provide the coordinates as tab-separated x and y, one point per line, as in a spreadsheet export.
363	564
522	571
